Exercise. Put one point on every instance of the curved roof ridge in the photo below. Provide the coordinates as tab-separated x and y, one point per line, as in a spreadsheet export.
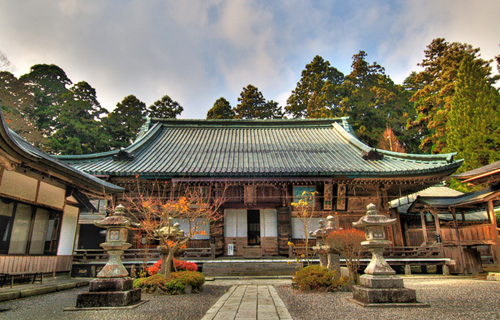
248	122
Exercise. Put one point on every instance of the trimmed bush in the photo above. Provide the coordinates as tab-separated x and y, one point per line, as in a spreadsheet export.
317	278
176	282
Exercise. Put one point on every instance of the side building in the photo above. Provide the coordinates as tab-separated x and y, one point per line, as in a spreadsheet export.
263	166
40	201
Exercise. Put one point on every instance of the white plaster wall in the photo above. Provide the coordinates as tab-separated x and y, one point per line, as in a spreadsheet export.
268	223
18	185
68	231
51	195
298	227
235	223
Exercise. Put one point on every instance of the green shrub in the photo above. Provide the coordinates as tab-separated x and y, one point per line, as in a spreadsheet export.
175	283
138	282
150	284
175	286
194	278
317	278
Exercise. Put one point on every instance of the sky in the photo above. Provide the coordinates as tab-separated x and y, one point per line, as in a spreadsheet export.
199	51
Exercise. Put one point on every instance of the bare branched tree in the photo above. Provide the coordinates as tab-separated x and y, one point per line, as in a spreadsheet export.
5	64
158	207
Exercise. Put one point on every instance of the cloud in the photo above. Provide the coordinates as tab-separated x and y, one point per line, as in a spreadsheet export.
198	51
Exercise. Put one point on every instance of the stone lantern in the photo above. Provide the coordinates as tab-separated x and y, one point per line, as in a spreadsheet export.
328	257
379	286
112	288
117	226
374	224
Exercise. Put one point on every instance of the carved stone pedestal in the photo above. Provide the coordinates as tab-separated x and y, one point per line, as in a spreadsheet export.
110	292
376	291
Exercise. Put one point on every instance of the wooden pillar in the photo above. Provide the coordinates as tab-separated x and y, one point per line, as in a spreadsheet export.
460	248
496	247
406	236
438	229
424	227
397	230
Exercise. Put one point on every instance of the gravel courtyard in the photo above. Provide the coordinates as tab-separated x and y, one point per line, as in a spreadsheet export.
50	306
450	298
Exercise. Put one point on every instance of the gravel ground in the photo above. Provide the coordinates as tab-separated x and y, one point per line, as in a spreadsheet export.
449	299
50	306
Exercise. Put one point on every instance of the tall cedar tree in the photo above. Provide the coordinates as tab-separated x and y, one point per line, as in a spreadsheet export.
124	122
474	118
253	105
48	83
77	126
373	101
436	87
165	108
316	92
221	110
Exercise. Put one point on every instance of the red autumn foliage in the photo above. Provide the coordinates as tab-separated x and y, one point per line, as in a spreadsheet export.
180	265
348	243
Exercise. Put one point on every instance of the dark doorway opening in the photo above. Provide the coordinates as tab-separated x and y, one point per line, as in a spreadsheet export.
253	220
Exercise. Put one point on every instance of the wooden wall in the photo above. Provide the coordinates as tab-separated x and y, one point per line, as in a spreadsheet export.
27	264
475	234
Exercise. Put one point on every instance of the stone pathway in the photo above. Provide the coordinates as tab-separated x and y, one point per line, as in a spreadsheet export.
245	302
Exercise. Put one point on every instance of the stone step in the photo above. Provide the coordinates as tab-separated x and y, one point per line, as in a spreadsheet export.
233	268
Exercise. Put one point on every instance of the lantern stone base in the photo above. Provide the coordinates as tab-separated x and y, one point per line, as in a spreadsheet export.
384	291
110	292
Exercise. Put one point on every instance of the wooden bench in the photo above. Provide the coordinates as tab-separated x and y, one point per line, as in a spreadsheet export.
9	278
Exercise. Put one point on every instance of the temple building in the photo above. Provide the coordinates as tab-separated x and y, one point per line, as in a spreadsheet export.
40	201
463	226
263	166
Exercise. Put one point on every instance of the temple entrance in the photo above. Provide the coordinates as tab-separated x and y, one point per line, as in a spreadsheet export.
253	218
255	229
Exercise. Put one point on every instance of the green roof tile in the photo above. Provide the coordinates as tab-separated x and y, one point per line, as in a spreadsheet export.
232	148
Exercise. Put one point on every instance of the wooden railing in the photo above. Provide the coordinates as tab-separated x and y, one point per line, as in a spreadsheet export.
35	264
390	252
99	255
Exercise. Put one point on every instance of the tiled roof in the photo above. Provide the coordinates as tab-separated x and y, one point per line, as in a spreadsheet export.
479	173
464	199
438	191
255	148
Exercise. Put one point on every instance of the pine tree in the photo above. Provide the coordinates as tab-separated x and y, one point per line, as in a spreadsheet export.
373	101
165	108
221	110
124	122
474	119
78	126
316	92
253	105
436	85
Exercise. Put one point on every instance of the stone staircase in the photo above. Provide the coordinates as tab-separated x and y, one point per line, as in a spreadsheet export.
253	268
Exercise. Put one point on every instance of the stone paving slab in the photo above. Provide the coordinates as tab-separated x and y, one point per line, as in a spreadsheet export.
27	290
249	302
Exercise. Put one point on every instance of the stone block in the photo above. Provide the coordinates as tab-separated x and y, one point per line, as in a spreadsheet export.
111	284
381	282
493	276
108	299
368	295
